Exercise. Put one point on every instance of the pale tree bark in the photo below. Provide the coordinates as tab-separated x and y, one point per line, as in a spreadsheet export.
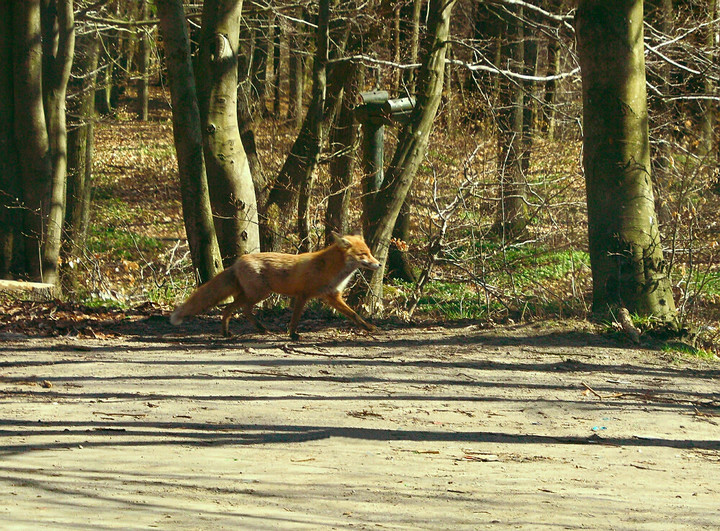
197	213
412	145
232	193
626	254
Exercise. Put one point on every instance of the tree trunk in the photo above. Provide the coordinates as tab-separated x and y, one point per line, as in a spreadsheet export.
80	145
143	67
11	242
553	68
316	123
342	141
232	192
258	72
276	69
31	134
197	213
58	51
709	108
626	255
303	156
412	145
511	217
296	77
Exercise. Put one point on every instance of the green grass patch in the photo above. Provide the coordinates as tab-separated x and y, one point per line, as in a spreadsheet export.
119	243
688	350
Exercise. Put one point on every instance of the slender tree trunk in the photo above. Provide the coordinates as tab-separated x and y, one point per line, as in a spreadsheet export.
58	51
303	156
342	141
143	82
399	265
11	241
626	254
258	74
296	76
317	130
232	192
197	213
709	110
548	116
511	217
413	143
80	145
276	69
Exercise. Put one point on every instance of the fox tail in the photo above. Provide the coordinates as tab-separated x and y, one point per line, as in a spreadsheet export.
219	288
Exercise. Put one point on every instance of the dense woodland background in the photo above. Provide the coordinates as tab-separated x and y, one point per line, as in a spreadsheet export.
488	219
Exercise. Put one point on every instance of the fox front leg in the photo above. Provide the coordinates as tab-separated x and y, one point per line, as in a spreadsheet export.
336	301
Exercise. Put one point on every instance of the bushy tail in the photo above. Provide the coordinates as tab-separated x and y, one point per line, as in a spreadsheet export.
219	288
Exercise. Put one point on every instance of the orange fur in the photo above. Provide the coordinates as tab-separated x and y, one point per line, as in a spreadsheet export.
253	277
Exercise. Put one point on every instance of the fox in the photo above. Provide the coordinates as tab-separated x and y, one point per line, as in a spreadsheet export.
254	277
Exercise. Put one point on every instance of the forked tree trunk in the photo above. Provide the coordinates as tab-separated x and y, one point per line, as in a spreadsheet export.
412	145
232	193
626	254
197	213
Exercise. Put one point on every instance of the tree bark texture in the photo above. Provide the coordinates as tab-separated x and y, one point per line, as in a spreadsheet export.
342	140
316	124
412	145
512	215
80	144
296	75
187	133
58	51
626	255
232	193
143	81
297	171
11	242
31	133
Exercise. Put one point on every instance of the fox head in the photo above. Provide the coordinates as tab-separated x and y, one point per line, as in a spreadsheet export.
356	251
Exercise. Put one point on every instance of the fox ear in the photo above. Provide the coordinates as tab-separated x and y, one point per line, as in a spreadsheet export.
342	242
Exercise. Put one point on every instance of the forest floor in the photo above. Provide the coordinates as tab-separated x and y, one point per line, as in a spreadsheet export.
136	424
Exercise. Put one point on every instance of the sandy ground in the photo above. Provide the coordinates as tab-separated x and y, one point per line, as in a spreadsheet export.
408	428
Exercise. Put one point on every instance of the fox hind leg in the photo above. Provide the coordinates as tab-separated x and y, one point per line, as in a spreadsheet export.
228	313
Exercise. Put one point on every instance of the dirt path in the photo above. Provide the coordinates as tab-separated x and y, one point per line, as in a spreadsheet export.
406	429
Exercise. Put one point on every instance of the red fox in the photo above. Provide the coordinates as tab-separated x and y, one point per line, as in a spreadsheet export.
253	277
